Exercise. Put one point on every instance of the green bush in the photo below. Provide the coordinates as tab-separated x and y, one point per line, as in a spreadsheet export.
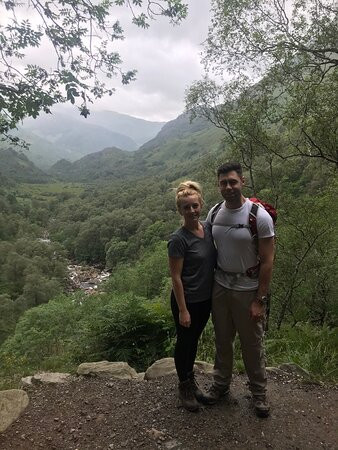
70	330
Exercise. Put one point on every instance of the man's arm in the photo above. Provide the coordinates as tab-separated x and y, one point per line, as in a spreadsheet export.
266	253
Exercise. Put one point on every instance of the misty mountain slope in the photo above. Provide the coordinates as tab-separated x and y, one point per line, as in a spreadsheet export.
108	163
65	134
76	135
172	153
140	130
177	128
16	166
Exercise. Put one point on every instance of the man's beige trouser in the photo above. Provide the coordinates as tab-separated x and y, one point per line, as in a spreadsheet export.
231	313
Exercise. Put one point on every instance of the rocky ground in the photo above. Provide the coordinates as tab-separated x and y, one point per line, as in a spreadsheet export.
94	413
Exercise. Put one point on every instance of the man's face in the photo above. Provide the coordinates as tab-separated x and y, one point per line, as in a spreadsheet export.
230	186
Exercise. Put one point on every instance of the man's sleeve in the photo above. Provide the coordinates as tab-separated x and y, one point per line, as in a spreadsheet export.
265	225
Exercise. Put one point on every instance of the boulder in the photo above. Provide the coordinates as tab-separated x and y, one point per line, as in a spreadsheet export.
140	376
204	367
160	368
12	403
51	378
166	366
106	369
294	368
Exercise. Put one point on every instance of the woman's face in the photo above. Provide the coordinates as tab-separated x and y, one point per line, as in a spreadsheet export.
190	208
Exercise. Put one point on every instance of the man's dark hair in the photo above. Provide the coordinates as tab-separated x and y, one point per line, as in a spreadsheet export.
229	167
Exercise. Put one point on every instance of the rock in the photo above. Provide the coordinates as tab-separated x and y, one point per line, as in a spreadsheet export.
12	403
26	382
173	444
294	368
106	369
204	367
156	434
166	366
140	376
275	370
160	368
51	378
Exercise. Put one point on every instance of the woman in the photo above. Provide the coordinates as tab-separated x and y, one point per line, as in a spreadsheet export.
192	259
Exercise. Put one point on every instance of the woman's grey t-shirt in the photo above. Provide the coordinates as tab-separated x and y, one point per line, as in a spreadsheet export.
199	261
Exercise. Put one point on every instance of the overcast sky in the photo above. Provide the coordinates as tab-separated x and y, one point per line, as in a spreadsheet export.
166	57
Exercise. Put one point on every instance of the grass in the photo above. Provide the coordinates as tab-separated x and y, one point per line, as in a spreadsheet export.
314	349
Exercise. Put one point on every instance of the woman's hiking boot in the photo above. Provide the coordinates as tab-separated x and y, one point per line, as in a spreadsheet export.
187	396
261	405
199	394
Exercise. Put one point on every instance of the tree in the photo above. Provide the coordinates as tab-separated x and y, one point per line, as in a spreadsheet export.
298	37
283	55
81	34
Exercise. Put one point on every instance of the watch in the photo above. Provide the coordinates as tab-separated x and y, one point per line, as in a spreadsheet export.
263	299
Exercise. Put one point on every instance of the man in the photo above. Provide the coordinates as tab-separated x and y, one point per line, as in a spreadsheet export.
242	278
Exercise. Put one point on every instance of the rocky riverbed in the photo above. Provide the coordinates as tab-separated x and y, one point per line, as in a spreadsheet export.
86	278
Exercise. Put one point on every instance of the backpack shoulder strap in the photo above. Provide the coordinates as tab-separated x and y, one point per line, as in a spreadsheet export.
253	220
215	211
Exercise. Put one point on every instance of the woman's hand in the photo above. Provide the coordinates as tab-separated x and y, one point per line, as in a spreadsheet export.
184	318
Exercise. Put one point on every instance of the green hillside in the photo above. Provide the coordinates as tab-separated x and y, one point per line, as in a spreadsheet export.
17	167
108	163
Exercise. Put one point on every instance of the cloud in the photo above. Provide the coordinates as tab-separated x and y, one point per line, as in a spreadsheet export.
166	57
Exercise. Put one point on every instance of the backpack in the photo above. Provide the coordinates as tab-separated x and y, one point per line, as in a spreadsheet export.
252	221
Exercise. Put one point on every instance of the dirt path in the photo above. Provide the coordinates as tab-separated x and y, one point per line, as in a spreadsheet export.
90	414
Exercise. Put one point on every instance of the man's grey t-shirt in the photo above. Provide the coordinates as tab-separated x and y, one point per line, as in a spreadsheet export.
236	250
199	261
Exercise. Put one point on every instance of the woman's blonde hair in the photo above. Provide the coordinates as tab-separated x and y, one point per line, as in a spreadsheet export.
187	188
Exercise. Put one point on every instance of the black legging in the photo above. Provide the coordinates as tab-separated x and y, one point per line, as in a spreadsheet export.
187	337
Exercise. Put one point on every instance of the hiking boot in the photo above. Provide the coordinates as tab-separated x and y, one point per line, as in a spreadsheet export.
199	394
187	396
261	405
214	394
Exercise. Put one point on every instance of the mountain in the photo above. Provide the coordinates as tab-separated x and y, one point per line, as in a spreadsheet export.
42	152
178	146
178	128
108	163
139	130
76	134
16	166
65	134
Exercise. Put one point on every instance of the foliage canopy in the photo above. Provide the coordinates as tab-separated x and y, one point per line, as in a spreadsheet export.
280	61
82	35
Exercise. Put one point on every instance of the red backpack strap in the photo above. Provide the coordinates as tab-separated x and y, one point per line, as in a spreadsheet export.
253	221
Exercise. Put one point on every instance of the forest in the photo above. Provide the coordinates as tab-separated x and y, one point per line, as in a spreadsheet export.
282	128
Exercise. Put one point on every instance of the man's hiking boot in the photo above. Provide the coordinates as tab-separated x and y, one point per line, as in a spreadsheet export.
261	405
199	394
187	396
214	394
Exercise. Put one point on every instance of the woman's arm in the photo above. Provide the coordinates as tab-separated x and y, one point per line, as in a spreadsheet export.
176	266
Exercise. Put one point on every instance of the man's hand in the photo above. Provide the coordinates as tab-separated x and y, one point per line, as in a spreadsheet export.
257	311
184	318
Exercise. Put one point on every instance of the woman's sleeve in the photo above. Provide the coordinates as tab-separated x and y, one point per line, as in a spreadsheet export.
176	247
